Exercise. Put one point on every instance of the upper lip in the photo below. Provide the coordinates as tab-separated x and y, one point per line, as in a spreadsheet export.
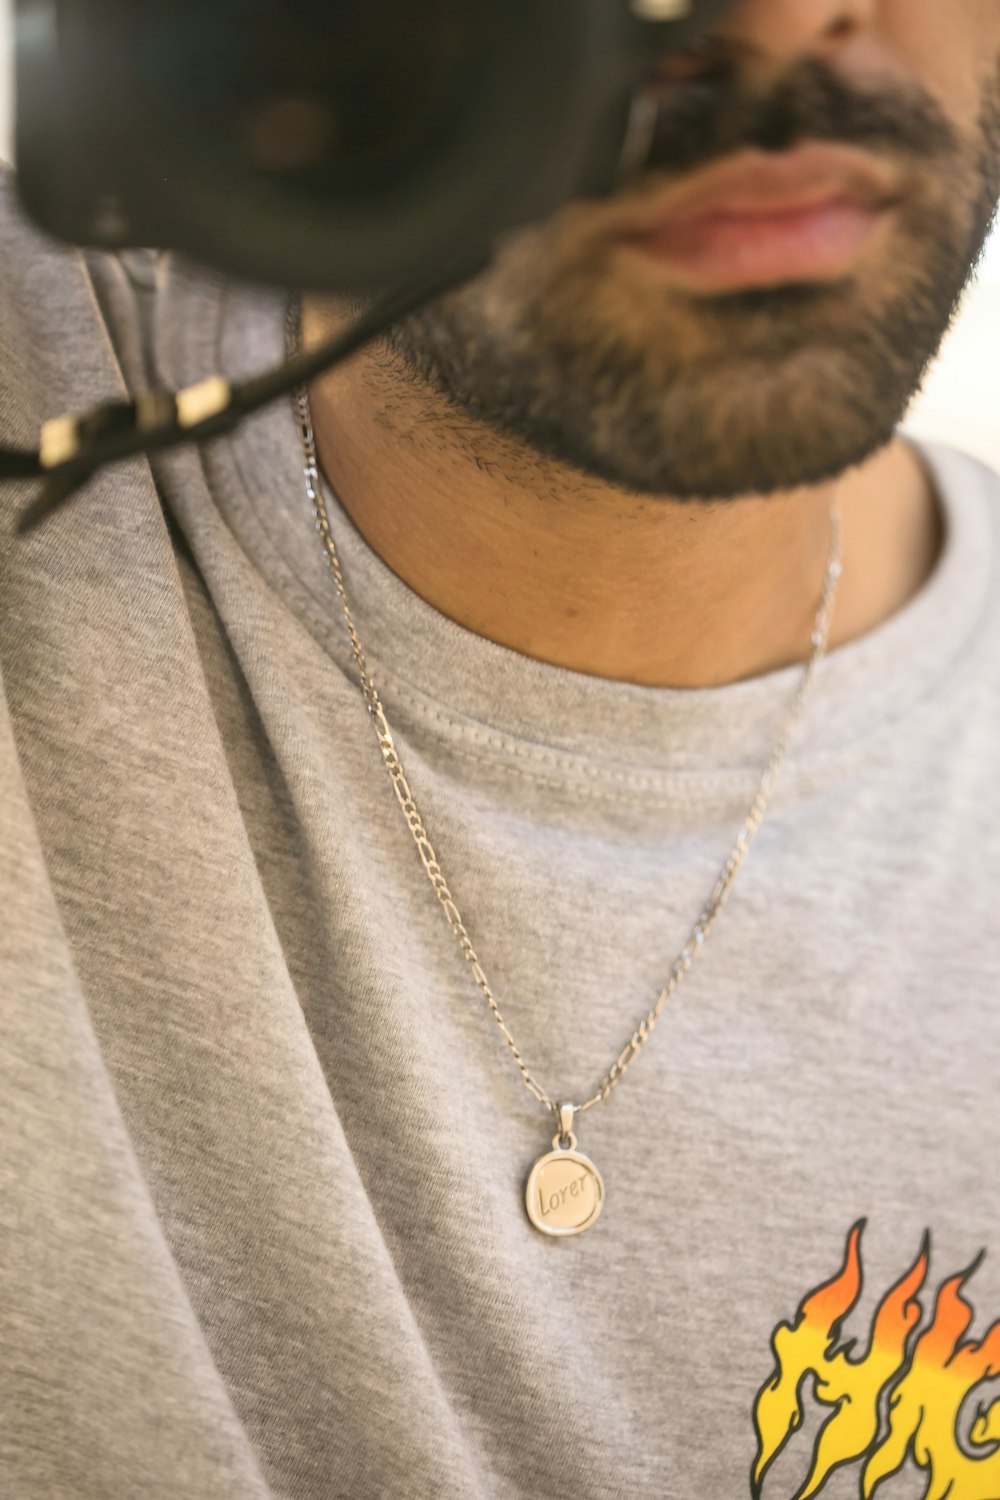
753	183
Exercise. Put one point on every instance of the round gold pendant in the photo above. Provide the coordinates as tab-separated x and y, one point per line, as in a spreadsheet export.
565	1191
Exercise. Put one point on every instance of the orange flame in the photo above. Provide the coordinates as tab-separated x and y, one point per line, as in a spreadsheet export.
929	1386
924	1407
851	1386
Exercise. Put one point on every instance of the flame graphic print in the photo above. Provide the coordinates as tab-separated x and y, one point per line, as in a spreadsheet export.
901	1398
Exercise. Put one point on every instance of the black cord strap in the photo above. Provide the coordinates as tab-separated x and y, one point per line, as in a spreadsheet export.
73	448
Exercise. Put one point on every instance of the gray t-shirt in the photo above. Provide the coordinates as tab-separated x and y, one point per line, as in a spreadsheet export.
262	1146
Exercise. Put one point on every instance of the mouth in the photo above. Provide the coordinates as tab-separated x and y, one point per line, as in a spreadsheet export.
730	251
765	221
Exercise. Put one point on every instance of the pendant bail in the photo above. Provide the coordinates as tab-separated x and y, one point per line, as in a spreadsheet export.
566	1113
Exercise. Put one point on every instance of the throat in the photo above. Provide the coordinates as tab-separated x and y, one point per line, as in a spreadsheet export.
583	575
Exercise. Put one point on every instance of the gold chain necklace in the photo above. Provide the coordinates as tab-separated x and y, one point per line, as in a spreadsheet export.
564	1193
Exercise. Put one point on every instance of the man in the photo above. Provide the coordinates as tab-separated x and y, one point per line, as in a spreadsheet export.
265	1150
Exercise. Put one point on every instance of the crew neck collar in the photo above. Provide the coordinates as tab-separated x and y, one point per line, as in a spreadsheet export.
435	673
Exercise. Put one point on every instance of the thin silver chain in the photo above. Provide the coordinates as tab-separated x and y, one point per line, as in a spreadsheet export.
720	892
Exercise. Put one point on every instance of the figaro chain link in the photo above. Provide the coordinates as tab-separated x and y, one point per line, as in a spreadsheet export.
744	838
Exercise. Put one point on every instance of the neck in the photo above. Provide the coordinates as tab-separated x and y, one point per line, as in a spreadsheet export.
574	571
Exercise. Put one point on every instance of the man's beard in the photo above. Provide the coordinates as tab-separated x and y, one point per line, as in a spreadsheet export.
722	395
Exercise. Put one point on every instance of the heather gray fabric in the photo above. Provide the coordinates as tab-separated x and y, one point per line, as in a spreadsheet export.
262	1147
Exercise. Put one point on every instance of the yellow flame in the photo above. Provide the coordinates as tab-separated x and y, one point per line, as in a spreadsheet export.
851	1386
928	1385
924	1408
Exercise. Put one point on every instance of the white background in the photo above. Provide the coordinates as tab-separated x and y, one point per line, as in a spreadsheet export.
959	402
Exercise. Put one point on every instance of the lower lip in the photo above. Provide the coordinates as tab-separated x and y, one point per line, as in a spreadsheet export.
731	251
